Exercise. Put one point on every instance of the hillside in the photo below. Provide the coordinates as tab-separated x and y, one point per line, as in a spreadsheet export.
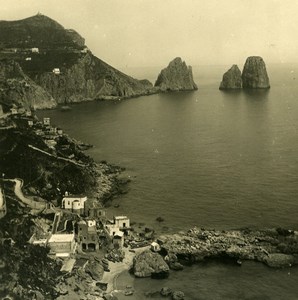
38	31
58	61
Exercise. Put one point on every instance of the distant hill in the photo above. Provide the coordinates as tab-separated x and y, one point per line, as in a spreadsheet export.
38	31
58	61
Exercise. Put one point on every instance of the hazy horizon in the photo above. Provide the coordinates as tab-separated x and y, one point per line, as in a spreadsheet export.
143	33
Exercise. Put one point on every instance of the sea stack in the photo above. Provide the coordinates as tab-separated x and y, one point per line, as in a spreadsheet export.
176	77
254	74
231	79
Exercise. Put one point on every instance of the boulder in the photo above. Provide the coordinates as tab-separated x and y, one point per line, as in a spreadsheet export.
176	77
178	295
279	260
165	291
254	74
150	264
231	79
95	270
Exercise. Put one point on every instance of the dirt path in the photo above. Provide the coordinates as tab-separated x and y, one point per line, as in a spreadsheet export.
19	193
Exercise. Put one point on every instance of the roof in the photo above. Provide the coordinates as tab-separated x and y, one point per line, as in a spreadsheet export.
119	233
75	197
120	217
58	238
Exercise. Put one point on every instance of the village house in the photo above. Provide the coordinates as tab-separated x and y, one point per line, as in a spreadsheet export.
28	58
122	222
62	245
119	223
30	123
116	236
46	121
155	247
87	235
118	239
74	203
13	111
59	131
34	50
50	143
56	71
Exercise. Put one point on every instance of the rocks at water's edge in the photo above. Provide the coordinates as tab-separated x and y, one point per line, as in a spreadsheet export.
274	247
150	264
254	75
231	79
176	77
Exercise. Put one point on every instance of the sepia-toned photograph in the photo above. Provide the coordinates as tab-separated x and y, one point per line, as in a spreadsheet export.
148	150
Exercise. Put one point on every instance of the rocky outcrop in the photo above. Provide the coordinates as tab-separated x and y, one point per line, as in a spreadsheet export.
276	248
254	74
231	79
91	78
150	264
63	68
176	77
17	88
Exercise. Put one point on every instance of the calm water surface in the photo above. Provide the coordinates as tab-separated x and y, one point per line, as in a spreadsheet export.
206	158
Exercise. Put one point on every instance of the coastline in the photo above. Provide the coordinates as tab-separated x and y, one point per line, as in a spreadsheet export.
118	268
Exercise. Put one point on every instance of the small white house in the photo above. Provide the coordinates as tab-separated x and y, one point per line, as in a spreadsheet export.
30	123
155	247
75	203
85	50
118	239
56	71
13	111
62	244
46	121
35	50
122	222
28	58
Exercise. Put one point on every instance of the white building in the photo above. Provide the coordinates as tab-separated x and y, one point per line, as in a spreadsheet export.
56	71
122	222
62	244
35	50
46	121
75	203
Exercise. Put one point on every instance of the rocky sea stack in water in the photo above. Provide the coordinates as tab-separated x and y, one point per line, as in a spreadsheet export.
176	77
254	75
231	79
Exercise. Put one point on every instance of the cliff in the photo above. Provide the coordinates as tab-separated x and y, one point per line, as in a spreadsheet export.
176	77
231	79
90	78
17	88
39	45
254	74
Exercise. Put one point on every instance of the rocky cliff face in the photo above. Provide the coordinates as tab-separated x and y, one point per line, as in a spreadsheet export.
176	77
254	75
91	78
231	79
17	88
81	76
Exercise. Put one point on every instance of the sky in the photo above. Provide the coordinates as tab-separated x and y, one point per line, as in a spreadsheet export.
143	33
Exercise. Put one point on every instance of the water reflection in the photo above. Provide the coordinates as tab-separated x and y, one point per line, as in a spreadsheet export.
256	94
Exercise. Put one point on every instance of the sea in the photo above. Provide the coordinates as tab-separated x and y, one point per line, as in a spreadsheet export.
207	158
